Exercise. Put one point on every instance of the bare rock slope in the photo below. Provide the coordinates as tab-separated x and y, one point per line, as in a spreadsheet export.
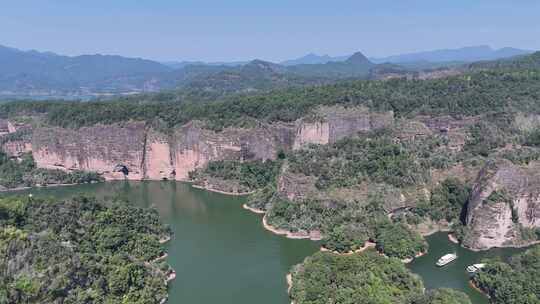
504	207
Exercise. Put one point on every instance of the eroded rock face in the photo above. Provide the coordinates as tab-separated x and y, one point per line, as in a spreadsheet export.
4	127
16	148
193	146
501	223
135	151
335	123
158	158
100	148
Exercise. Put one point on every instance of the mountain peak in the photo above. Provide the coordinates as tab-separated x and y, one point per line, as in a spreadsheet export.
358	58
262	66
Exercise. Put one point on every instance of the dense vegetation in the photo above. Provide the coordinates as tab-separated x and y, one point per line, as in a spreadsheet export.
447	201
468	94
375	157
326	278
80	251
251	175
347	226
24	173
515	282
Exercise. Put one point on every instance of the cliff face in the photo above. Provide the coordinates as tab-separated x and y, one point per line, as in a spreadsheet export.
193	147
501	221
132	150
104	149
335	123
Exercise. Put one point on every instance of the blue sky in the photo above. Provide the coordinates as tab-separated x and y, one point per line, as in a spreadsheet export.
270	30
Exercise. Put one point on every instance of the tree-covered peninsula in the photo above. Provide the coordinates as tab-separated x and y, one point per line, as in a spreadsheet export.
327	278
512	282
80	251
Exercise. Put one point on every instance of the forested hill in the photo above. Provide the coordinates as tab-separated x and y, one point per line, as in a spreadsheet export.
80	251
472	93
32	71
520	62
48	75
39	74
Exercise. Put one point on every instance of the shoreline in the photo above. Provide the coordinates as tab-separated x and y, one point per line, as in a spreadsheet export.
288	277
503	247
162	257
367	245
254	210
165	240
409	260
170	277
282	232
433	231
220	191
39	187
453	238
473	286
289	234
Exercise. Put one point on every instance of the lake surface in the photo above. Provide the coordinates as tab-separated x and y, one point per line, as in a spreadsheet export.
454	274
222	254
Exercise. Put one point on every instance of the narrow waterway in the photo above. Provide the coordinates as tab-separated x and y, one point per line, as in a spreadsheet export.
453	275
222	254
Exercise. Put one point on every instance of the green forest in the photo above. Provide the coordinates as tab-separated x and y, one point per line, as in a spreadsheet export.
24	173
472	93
80	251
512	282
326	278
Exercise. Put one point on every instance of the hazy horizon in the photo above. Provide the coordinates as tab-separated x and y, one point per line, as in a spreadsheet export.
241	30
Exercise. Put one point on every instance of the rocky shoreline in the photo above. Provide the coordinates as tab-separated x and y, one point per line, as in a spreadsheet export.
367	245
221	191
314	236
289	284
254	210
37	186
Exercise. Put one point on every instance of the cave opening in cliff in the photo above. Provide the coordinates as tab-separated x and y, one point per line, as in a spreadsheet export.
122	168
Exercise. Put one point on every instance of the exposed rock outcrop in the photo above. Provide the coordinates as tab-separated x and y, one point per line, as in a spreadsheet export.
135	151
193	146
501	220
335	123
98	148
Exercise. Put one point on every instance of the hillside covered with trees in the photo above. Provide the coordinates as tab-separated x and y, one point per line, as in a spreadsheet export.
17	173
80	251
513	282
366	278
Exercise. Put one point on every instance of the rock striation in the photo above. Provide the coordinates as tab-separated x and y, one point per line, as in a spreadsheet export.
503	220
136	151
334	123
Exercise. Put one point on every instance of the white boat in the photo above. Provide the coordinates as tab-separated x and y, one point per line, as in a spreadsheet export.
475	268
445	259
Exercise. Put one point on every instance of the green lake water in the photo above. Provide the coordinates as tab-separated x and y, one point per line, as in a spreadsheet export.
222	254
454	274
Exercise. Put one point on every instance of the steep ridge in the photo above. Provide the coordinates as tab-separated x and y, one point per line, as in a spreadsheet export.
504	207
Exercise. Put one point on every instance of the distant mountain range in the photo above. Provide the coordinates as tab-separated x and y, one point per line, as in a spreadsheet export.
466	54
35	72
314	59
462	55
43	74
